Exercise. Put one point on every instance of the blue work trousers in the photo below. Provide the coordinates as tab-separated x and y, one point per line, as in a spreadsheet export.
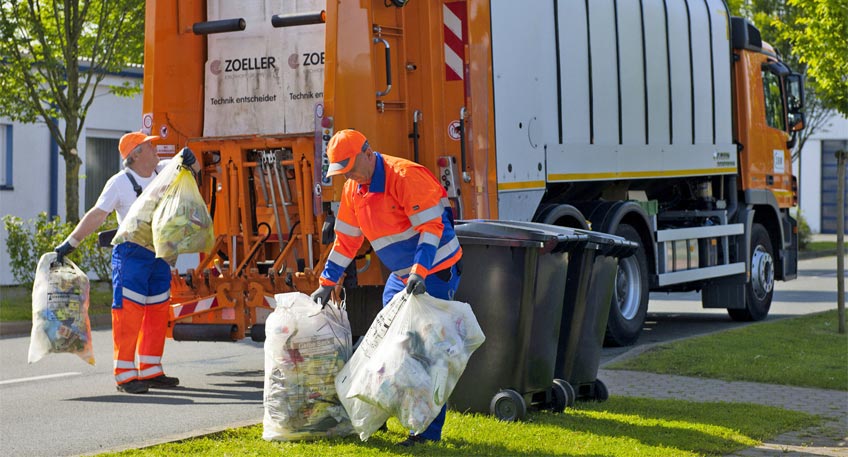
439	288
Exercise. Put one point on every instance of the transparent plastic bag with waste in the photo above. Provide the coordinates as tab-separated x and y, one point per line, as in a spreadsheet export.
181	221
60	320
137	226
408	362
306	345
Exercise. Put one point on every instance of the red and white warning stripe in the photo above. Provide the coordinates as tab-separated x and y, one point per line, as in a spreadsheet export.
203	304
454	28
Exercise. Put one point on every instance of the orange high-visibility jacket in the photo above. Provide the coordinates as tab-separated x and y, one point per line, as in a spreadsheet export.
404	213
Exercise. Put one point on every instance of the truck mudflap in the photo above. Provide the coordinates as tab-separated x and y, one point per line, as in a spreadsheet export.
788	268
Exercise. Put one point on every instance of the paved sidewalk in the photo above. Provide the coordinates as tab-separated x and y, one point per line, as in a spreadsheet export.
829	439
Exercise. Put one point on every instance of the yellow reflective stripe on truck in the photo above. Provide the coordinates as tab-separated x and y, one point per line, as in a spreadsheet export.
521	185
781	192
637	174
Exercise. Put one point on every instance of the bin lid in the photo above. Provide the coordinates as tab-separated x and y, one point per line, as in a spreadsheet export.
610	245
515	233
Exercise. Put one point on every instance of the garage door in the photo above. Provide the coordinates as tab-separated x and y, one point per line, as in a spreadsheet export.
828	192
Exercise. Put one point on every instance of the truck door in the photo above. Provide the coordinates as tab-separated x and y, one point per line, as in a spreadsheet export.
437	78
766	160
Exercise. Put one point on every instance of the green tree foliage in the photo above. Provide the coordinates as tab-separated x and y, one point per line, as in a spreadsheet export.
27	241
54	55
819	36
768	16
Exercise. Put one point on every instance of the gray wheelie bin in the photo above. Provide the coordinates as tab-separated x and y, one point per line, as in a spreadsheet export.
591	283
514	279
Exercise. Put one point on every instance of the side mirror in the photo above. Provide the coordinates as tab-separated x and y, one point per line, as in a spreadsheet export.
796	122
794	92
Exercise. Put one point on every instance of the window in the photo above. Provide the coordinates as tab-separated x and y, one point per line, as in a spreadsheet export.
6	157
775	116
102	160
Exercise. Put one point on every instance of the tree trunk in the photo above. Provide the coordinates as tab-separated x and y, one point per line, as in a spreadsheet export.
72	173
72	159
840	237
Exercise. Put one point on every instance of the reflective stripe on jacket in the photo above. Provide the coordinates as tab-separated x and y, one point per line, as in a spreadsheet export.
404	213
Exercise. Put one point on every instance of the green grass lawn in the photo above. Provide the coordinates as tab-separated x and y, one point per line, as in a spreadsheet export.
621	426
16	302
804	351
813	246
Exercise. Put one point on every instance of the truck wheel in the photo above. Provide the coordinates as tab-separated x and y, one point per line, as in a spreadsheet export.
630	294
760	289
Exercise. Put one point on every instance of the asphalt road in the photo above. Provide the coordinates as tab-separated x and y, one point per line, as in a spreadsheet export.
62	406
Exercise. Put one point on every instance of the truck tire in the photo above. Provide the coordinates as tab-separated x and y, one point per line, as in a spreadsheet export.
760	289
630	294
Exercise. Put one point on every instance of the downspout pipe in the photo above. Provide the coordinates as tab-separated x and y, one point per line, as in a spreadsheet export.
54	173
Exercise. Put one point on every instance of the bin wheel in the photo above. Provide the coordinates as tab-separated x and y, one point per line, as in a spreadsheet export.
600	390
559	398
508	405
571	394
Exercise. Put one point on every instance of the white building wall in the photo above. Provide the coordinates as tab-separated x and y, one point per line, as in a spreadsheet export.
109	116
810	169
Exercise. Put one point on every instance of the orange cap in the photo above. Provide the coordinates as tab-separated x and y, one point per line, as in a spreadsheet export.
131	140
342	150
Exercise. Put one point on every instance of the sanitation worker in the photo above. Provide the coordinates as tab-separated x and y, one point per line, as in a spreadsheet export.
140	282
402	210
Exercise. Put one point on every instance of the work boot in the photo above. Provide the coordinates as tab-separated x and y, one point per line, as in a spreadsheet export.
133	387
162	382
412	440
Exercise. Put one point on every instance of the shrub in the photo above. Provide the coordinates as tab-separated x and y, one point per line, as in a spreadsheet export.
804	233
27	241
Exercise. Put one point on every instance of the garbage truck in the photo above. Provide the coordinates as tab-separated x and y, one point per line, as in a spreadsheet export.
666	122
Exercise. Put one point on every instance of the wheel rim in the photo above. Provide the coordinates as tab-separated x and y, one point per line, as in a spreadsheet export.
506	409
762	272
628	285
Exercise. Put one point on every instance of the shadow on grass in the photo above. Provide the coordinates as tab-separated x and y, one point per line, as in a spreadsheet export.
621	426
696	427
386	443
663	434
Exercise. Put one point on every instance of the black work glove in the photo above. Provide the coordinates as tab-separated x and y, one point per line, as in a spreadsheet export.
62	250
415	285
188	157
322	294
